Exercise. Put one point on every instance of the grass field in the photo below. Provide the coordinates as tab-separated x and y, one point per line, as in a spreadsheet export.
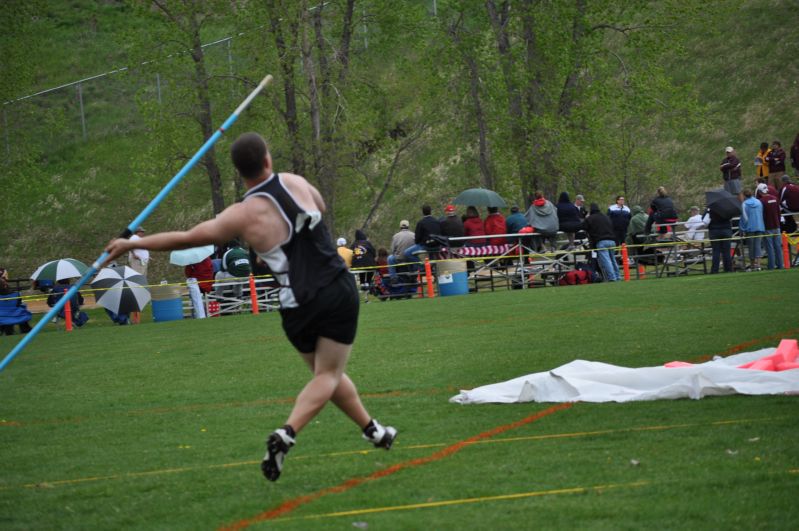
161	426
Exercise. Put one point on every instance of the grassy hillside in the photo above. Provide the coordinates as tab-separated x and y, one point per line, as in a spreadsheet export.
75	195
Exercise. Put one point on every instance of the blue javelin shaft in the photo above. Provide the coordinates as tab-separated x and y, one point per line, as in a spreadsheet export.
135	223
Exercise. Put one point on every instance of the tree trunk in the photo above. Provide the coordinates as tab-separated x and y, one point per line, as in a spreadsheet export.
204	117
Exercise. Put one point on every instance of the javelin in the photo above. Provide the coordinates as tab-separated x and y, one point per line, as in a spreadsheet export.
135	223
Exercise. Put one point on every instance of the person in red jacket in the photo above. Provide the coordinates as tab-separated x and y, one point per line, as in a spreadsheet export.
495	224
473	226
204	273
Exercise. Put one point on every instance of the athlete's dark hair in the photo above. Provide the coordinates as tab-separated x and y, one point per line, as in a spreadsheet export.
248	153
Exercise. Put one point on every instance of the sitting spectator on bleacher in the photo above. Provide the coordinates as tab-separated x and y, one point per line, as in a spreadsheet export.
570	219
473	226
543	217
234	264
199	280
752	227
789	201
401	241
79	318
452	226
382	261
771	221
427	228
363	255
661	211
619	215
516	221
495	224
12	310
694	226
637	232
601	238
764	180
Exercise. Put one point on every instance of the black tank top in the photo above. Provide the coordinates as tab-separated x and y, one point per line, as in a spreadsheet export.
307	260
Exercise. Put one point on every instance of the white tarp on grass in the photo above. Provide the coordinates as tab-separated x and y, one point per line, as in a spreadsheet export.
591	381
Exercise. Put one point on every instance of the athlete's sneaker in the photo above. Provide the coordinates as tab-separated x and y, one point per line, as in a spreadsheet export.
277	446
381	437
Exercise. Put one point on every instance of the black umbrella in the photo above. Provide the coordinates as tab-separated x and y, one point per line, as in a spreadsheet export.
479	197
723	203
121	289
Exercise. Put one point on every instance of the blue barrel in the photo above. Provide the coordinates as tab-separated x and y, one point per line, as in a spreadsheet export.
452	278
167	310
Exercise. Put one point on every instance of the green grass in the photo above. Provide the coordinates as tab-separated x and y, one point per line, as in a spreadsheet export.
161	426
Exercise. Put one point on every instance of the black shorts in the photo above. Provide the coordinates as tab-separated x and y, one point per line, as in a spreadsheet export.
333	314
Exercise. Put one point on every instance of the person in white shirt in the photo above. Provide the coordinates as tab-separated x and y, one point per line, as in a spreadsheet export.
695	226
139	258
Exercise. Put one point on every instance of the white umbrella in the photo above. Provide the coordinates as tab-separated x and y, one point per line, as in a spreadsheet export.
191	256
60	269
121	289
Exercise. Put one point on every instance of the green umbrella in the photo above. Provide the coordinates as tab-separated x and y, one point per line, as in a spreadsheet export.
479	197
60	269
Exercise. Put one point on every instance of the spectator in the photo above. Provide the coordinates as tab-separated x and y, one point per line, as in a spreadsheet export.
771	222
363	256
423	238
694	225
731	171
795	155
579	202
382	261
761	166
516	221
401	241
199	280
234	264
452	226
473	226
720	232
12	310
79	317
570	220
495	224
601	237
637	232
789	201
619	215
118	318
752	227
764	180
344	252
139	258
661	211
543	217
776	164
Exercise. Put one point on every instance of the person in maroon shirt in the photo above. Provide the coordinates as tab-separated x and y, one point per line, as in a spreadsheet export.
776	164
771	220
204	273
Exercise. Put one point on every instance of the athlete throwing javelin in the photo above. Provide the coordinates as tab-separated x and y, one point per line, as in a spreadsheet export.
281	218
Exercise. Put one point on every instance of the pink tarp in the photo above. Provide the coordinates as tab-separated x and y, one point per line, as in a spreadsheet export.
590	381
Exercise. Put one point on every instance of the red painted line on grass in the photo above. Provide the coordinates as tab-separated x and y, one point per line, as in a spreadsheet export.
290	505
748	344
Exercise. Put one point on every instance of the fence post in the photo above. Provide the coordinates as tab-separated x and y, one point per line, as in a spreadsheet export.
786	251
428	273
68	316
253	295
625	260
82	116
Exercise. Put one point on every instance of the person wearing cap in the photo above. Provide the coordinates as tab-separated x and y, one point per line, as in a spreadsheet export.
694	225
776	164
771	222
344	252
752	228
452	226
138	259
579	202
516	221
731	171
601	237
401	241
